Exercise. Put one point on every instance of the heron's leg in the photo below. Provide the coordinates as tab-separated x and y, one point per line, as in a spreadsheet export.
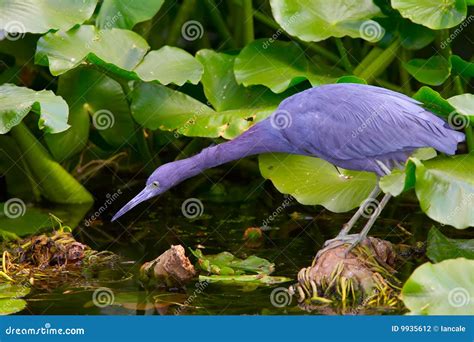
370	223
348	226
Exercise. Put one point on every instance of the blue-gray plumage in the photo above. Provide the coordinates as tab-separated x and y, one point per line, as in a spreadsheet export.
353	126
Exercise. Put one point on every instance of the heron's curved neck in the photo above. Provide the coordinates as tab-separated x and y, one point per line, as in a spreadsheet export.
260	138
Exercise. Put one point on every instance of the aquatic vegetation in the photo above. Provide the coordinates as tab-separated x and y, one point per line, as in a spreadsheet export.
93	101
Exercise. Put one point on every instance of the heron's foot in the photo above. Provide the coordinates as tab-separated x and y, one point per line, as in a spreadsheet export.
339	240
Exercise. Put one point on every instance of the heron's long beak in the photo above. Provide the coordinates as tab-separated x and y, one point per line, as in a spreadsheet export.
141	197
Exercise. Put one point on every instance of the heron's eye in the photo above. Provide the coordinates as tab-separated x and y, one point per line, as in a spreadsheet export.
155	184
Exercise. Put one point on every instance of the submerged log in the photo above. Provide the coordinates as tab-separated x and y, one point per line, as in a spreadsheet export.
172	268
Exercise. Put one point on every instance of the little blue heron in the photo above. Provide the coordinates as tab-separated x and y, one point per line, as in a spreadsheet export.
353	126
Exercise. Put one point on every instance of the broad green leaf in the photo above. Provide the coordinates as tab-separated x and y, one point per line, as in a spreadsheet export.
170	65
277	65
22	220
125	13
464	104
222	90
114	49
96	98
158	107
316	20
414	36
442	248
401	180
351	79
17	175
462	67
55	183
13	291
245	279
314	181
445	288
434	14
40	16
433	101
10	306
16	102
432	71
445	189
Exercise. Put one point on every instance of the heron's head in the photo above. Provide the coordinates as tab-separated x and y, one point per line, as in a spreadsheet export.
160	181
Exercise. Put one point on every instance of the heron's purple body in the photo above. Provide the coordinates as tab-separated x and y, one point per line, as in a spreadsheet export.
354	126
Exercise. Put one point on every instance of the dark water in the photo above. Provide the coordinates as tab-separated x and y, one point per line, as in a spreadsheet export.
295	236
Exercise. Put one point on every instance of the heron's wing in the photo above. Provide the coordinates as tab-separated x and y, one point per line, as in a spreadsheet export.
349	121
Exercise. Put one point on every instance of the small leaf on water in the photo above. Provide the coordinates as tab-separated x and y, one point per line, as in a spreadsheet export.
441	247
433	71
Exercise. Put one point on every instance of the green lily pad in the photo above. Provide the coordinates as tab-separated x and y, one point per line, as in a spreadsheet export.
314	181
223	91
433	101
40	16
168	65
16	102
316	20
262	62
125	13
245	280
401	180
445	288
157	107
432	71
464	104
11	305
442	248
445	189
17	218
117	50
351	79
227	264
462	67
434	14
414	36
92	97
10	298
